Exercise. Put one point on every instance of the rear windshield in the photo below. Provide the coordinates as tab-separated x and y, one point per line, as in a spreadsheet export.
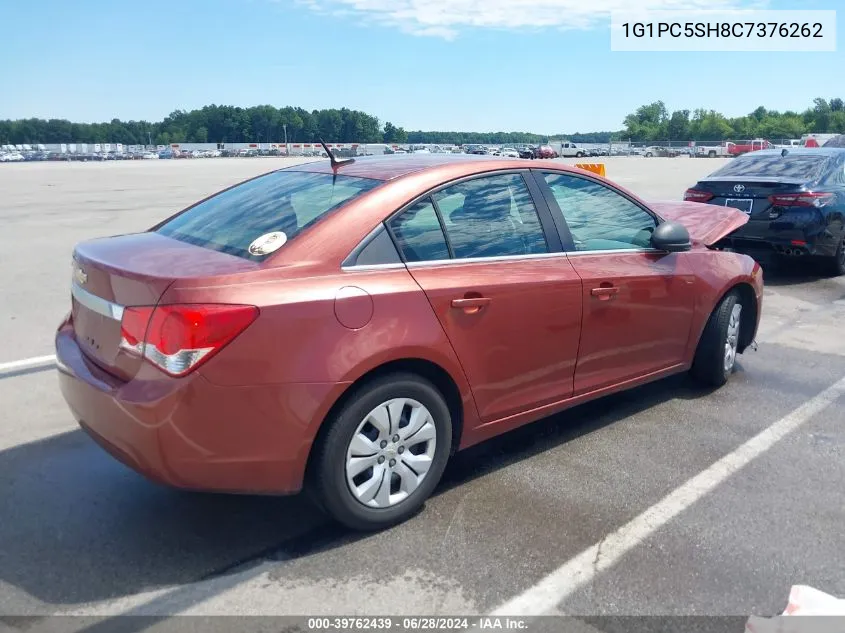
801	167
264	212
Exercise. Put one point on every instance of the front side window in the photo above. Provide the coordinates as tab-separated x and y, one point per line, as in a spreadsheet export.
491	216
279	202
599	218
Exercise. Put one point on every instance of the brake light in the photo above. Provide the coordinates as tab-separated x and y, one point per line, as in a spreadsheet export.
696	195
802	199
178	338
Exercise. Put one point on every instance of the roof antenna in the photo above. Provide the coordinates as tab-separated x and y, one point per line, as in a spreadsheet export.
335	162
784	152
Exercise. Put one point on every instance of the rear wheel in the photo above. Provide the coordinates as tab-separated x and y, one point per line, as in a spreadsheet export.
837	263
384	452
715	358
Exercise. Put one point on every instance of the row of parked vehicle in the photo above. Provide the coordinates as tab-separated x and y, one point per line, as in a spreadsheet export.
535	151
42	155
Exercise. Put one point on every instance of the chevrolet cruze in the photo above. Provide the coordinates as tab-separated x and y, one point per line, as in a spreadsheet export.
346	326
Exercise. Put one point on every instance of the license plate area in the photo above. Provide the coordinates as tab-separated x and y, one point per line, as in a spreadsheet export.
743	204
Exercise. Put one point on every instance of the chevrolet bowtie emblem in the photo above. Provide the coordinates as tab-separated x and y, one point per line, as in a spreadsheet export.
79	274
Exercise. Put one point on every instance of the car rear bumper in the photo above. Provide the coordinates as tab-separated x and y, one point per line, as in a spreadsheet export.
190	433
764	239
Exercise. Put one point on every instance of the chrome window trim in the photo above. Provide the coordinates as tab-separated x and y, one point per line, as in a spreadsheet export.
500	258
484	260
366	267
613	251
97	304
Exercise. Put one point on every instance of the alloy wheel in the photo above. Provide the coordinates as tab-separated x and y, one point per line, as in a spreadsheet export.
732	339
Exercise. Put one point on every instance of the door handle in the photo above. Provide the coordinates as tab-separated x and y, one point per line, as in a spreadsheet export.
471	305
605	293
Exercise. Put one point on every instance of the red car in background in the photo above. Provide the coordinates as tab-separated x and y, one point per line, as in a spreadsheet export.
744	147
348	326
545	151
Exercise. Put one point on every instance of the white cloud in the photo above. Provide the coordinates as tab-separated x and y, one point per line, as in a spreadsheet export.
446	18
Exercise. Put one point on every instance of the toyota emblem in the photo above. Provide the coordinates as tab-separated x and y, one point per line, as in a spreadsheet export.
739	188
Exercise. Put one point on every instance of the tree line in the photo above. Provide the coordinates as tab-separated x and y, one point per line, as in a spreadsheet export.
267	123
653	122
213	124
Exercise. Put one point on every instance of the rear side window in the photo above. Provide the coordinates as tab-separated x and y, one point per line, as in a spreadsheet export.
419	235
800	167
278	205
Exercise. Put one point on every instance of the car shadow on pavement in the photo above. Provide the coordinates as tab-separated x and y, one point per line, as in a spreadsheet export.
79	527
562	428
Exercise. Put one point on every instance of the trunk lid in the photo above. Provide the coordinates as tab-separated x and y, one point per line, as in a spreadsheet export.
110	274
749	195
706	223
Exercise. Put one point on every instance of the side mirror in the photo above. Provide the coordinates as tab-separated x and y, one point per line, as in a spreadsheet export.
672	237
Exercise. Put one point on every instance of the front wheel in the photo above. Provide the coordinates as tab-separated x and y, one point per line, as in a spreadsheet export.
579	155
384	452
715	357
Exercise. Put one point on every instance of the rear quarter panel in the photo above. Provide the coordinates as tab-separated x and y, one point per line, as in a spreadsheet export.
299	337
717	272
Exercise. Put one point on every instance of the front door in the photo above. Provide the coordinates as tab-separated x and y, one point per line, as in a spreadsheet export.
638	302
509	304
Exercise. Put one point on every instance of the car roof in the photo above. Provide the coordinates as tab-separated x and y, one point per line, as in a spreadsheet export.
800	151
391	166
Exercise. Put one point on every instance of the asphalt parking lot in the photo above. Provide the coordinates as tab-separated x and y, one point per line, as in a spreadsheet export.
584	513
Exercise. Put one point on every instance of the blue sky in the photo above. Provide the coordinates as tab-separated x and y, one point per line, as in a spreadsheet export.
482	65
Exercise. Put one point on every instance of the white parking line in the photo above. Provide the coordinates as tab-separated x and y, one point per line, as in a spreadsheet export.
27	363
583	568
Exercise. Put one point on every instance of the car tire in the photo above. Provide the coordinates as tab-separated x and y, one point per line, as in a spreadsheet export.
837	262
648	154
579	155
365	508
720	338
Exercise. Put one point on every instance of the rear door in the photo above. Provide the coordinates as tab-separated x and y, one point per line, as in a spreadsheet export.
638	302
490	263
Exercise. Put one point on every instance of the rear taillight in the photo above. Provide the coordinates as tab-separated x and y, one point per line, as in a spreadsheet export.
696	195
178	338
802	199
133	327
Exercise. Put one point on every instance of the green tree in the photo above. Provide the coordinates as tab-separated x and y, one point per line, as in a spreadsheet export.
821	114
678	126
